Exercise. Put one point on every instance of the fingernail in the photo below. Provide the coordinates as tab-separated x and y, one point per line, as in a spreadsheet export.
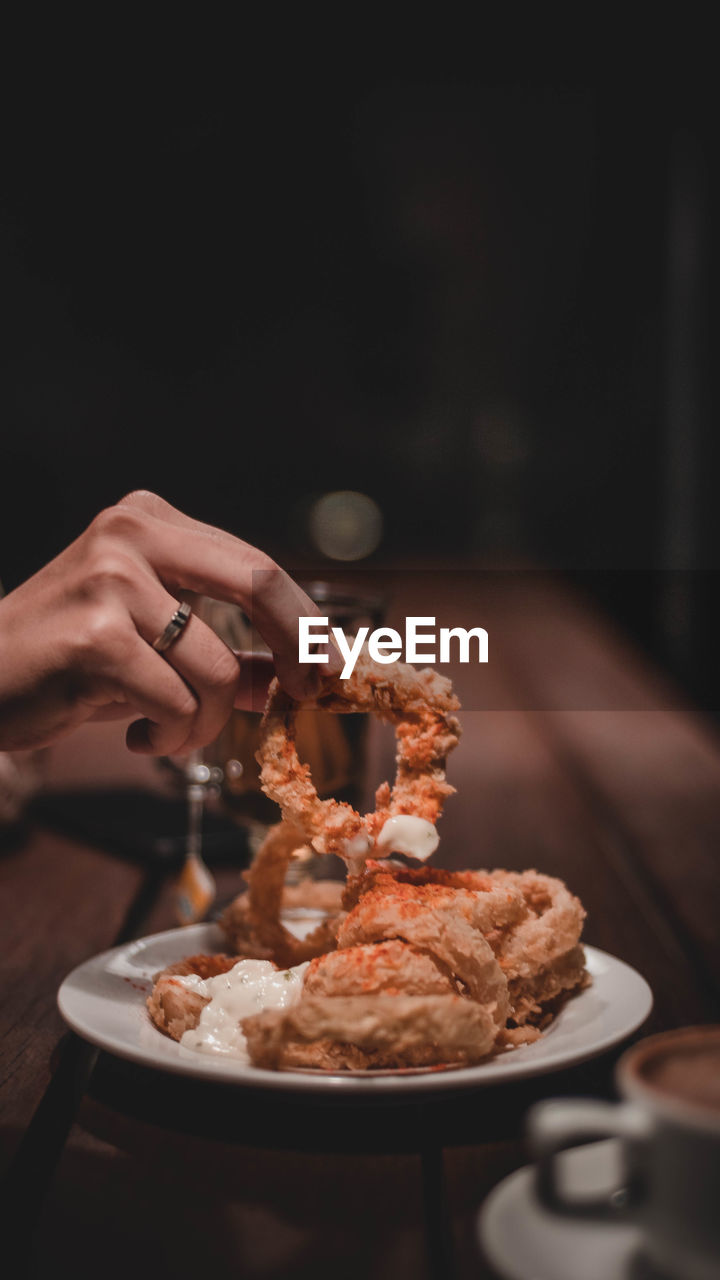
137	737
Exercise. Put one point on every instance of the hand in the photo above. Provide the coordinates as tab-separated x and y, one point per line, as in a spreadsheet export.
76	638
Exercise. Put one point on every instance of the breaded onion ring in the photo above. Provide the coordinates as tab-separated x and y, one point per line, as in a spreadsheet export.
390	968
540	956
360	1032
252	922
173	1008
383	875
449	923
418	703
535	936
552	925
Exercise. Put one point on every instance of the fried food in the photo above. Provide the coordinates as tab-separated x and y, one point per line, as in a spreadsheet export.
429	967
407	950
252	922
448	923
413	967
541	957
391	968
173	1008
382	874
418	703
373	1031
534	933
501	944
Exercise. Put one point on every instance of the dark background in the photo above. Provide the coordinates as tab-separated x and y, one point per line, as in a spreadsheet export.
476	287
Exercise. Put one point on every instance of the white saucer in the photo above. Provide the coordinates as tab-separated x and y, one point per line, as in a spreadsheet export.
525	1242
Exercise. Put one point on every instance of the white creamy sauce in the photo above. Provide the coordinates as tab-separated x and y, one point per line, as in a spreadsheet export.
407	834
249	987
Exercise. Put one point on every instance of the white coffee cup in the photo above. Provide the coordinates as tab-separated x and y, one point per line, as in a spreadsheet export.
669	1129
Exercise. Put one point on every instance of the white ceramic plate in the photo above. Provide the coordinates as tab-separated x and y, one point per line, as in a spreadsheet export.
525	1242
104	1001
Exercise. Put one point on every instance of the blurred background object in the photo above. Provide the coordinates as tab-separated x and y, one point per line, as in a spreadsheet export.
390	315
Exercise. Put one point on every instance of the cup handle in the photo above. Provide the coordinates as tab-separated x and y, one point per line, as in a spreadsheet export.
573	1122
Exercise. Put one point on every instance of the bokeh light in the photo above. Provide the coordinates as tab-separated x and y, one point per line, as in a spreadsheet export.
346	525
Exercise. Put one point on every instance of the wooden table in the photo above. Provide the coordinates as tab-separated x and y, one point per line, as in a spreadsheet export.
576	759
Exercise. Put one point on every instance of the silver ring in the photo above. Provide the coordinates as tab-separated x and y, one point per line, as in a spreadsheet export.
174	628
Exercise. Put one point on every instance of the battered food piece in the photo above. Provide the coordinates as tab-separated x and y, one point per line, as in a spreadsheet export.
418	951
390	968
252	922
534	935
456	925
401	936
173	1008
418	703
375	1031
385	875
541	957
441	921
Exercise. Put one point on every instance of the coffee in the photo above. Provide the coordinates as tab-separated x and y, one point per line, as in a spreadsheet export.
684	1065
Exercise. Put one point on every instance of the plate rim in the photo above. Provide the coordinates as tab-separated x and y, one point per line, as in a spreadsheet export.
214	1070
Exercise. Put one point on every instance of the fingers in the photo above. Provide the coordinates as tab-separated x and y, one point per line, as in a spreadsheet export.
113	711
206	665
253	673
168	705
187	554
124	603
131	573
256	670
